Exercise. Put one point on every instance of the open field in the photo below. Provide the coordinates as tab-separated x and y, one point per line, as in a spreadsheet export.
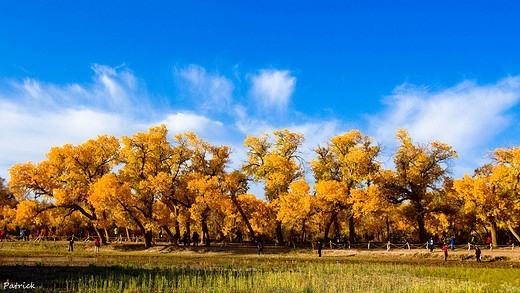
237	268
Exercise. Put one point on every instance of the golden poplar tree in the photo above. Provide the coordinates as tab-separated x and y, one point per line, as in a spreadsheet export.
8	205
420	170
347	163
65	180
277	164
146	158
492	192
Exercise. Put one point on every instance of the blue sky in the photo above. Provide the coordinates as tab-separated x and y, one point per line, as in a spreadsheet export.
226	69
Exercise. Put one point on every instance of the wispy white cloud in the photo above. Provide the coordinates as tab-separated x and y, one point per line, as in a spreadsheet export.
112	89
28	134
36	116
211	91
273	88
115	88
465	116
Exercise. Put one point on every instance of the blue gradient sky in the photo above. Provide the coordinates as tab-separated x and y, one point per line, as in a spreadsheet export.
445	71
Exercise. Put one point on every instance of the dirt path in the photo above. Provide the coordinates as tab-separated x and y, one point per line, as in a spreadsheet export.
55	253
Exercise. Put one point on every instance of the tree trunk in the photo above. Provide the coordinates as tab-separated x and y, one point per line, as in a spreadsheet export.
127	234
514	233
279	234
100	235
336	227
352	230
243	214
106	233
493	229
327	228
387	229
205	233
177	229
170	235
302	239
422	230
147	239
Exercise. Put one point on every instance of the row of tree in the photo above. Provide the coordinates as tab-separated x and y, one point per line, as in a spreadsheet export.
147	182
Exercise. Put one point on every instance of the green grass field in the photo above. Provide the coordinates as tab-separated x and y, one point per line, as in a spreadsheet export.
238	269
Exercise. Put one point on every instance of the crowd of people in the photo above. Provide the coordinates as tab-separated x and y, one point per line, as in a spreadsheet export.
448	244
24	234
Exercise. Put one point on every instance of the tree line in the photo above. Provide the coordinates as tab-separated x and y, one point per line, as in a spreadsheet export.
150	181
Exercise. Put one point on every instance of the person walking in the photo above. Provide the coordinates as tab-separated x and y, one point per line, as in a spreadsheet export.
445	253
430	244
186	238
96	246
45	234
320	246
196	238
489	242
478	254
177	237
452	243
71	243
260	247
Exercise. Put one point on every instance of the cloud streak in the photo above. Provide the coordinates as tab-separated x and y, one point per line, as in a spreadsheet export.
36	116
465	116
211	91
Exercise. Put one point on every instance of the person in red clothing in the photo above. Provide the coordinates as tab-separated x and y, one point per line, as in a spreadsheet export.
488	241
260	246
96	246
445	253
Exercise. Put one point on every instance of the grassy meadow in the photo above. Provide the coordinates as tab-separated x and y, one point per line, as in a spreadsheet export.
127	268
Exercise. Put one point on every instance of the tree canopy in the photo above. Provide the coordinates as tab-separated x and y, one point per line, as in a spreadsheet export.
155	181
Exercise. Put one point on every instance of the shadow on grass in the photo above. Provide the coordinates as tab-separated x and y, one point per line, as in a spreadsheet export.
69	278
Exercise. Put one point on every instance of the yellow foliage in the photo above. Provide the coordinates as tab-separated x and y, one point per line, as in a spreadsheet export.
274	163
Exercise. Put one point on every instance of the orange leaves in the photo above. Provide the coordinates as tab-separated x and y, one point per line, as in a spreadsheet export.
492	193
29	179
107	192
420	172
349	158
297	205
27	213
344	169
333	192
66	178
154	180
